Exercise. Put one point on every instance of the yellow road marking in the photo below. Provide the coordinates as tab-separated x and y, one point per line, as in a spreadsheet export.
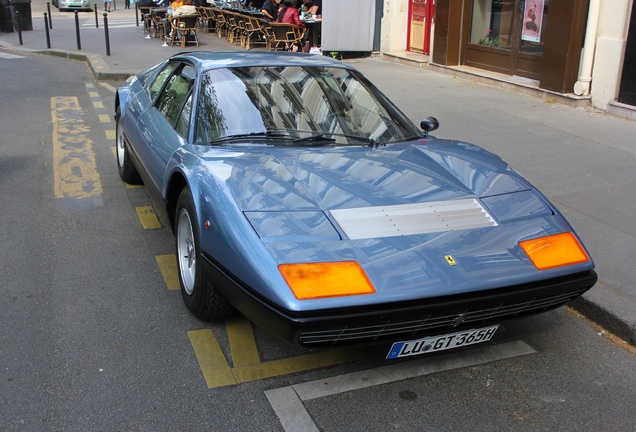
92	93
243	345
294	364
110	134
98	104
104	118
168	267
108	87
216	371
147	217
75	171
247	365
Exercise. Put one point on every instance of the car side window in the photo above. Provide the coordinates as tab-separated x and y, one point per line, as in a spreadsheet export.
183	124
172	98
157	85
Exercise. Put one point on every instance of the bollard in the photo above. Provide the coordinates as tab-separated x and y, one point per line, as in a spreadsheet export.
106	34
136	14
17	19
77	32
48	9
96	18
46	28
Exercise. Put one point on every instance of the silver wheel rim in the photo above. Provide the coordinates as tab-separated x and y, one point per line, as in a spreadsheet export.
186	250
121	151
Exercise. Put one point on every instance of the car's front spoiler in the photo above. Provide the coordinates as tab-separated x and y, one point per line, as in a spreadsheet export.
400	321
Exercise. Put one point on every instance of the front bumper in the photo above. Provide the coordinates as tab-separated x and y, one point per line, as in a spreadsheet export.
393	322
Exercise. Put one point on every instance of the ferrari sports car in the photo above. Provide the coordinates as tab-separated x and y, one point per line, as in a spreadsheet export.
300	196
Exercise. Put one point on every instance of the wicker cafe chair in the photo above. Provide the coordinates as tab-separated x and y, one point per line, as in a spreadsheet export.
183	27
233	29
254	32
285	36
158	23
221	27
146	18
207	19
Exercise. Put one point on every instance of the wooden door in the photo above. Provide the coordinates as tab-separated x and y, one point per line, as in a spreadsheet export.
627	93
421	19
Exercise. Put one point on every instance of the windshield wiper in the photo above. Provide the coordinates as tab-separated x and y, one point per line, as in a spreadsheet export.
265	135
319	139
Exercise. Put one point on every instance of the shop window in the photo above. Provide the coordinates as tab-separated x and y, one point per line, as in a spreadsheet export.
501	23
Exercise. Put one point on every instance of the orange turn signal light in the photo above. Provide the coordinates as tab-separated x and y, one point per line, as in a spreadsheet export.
327	279
554	251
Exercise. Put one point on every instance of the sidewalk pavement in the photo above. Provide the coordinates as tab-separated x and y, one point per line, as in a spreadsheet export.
583	160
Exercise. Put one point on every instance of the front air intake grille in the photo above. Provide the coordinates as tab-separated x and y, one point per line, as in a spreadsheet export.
393	329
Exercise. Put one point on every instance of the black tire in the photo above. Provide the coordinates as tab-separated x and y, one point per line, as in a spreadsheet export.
125	167
197	287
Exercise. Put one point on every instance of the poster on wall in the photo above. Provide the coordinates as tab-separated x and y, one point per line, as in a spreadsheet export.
532	20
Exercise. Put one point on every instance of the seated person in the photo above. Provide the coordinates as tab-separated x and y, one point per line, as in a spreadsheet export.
313	7
288	14
186	8
270	9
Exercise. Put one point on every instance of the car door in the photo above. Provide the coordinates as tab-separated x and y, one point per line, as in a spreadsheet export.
164	127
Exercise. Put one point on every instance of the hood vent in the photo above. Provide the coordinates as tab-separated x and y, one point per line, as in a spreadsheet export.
412	219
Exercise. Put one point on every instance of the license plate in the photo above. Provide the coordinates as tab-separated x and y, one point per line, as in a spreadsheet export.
441	343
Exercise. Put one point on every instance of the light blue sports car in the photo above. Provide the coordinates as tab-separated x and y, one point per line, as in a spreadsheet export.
303	198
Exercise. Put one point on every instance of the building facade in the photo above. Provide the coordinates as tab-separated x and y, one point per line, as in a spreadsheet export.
582	47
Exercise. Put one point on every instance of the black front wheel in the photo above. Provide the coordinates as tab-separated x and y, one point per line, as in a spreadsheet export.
126	169
197	287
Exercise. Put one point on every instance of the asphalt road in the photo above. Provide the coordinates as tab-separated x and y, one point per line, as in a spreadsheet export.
94	338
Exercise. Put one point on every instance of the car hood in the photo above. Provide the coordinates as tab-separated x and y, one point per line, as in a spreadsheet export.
339	203
326	178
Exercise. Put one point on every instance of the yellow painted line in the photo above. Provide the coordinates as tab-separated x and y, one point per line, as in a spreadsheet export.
216	371
104	118
245	358
75	171
296	364
168	266
93	94
147	217
98	104
108	87
110	135
242	343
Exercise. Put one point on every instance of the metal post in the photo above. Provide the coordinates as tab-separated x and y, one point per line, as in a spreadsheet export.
96	18
46	28
17	18
77	32
106	34
48	9
136	14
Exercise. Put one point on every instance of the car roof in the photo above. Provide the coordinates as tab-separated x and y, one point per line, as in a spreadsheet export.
205	60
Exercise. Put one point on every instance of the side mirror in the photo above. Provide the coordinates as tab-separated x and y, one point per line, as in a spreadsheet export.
429	124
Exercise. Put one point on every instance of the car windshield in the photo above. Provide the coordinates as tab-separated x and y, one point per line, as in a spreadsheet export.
294	105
